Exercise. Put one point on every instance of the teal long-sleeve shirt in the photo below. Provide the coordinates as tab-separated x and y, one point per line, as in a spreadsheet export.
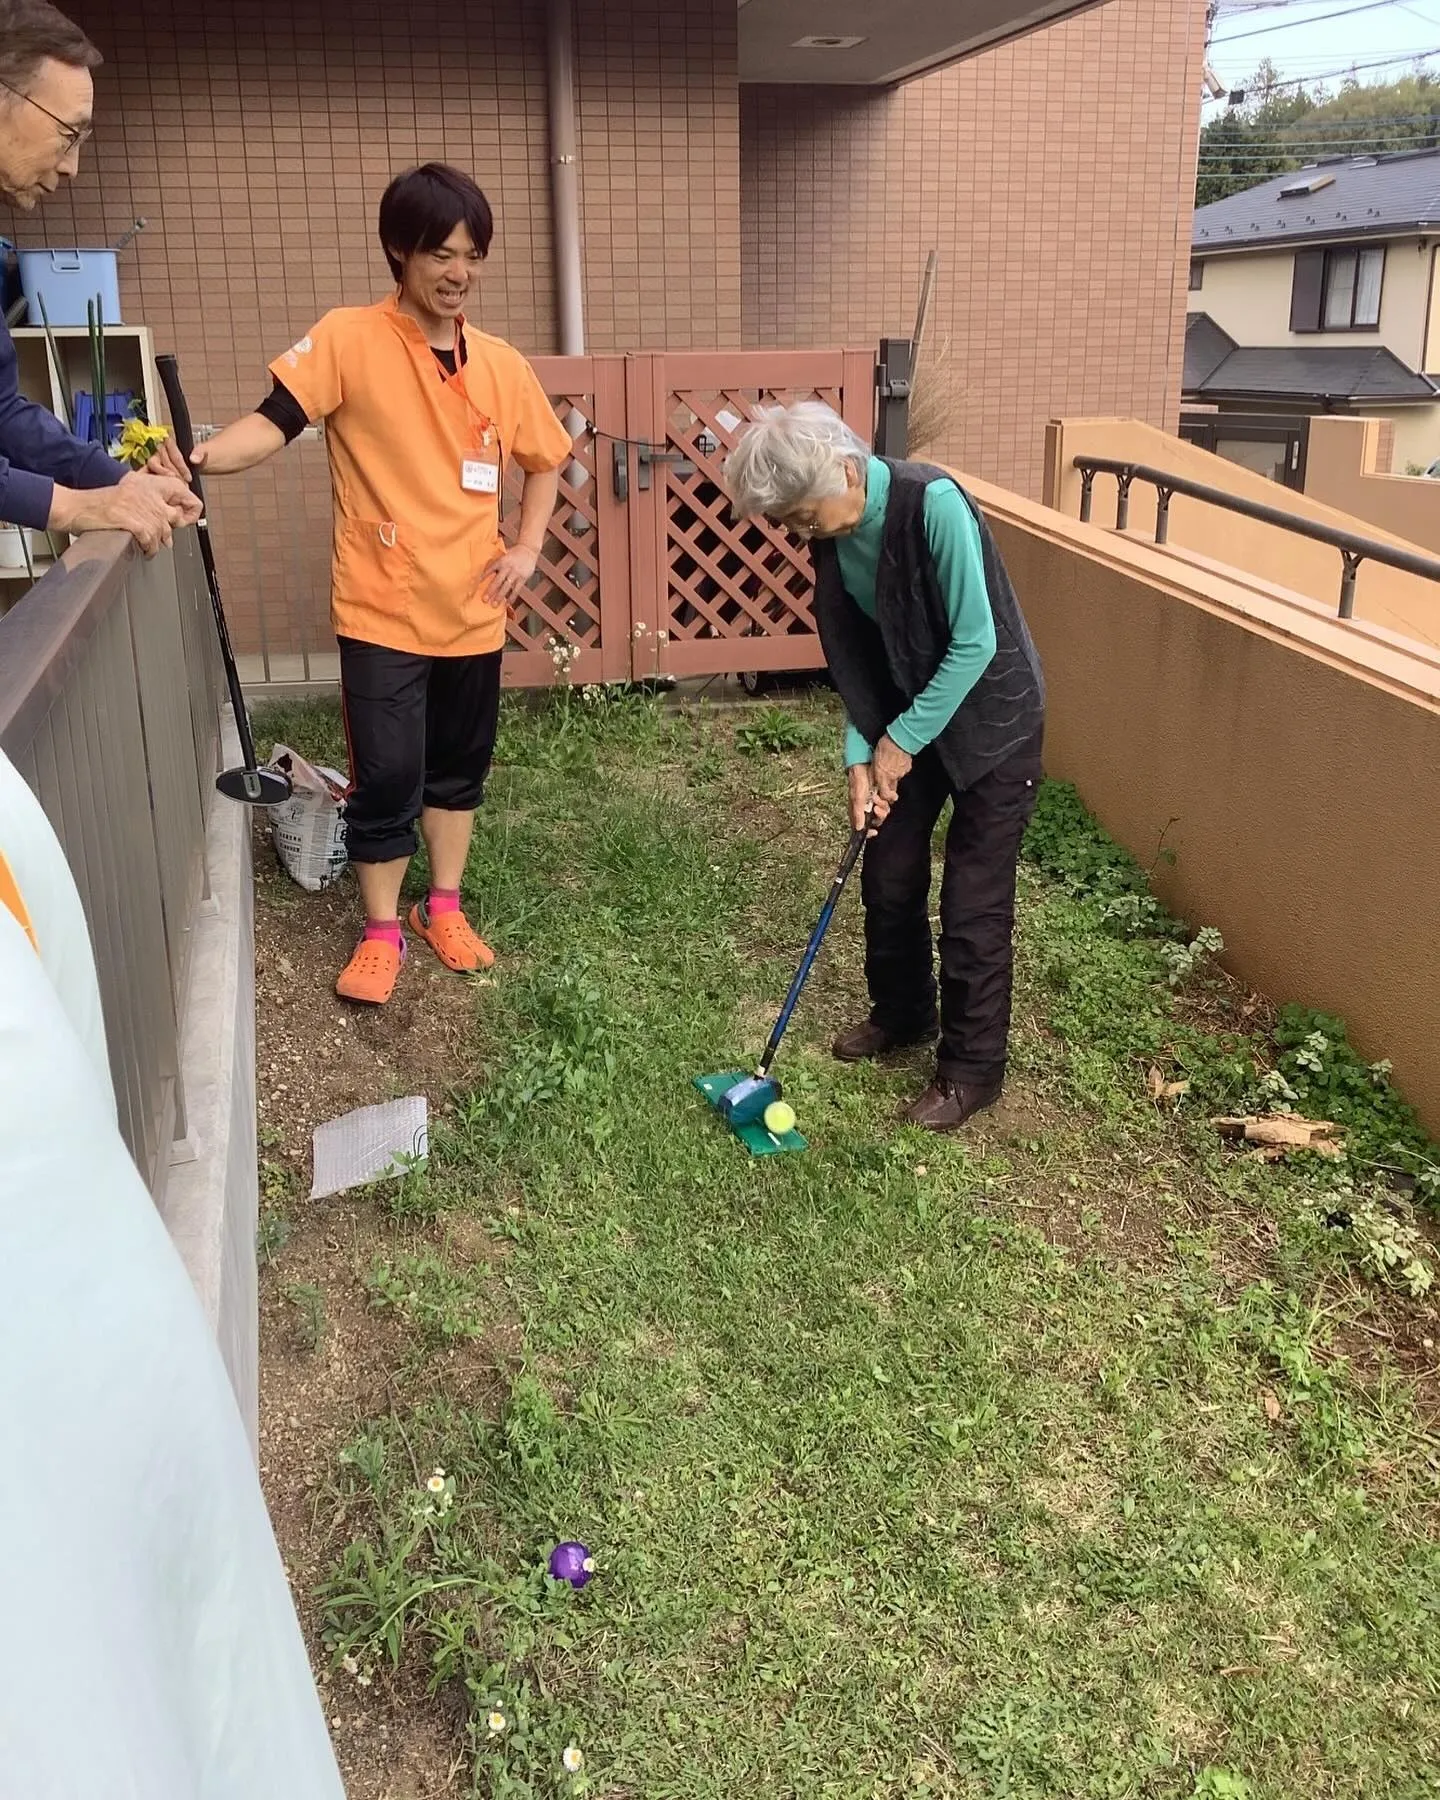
954	539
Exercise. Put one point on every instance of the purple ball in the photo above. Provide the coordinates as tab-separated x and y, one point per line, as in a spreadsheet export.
573	1563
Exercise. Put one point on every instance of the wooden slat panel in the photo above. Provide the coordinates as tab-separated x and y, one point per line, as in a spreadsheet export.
625	581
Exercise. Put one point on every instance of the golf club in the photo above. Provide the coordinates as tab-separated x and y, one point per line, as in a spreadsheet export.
250	784
743	1102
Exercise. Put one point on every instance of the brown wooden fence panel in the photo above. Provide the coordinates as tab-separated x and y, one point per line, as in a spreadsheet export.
644	573
724	595
573	623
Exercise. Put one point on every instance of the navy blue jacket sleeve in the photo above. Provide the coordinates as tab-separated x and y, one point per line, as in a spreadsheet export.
36	451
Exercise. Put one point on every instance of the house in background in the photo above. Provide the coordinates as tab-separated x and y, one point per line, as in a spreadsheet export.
1316	292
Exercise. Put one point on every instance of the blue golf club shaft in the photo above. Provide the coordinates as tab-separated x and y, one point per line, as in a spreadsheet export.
812	949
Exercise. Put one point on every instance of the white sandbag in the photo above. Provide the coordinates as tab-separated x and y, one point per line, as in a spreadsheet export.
150	1649
308	829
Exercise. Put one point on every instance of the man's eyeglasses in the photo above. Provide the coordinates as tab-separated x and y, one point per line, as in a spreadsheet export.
71	136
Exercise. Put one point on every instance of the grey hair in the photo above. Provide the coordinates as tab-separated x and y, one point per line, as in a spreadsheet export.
789	455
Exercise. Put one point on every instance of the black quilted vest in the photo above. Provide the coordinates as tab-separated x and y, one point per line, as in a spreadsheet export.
881	665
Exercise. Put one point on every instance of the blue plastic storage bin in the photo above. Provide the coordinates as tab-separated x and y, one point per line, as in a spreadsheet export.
69	280
117	411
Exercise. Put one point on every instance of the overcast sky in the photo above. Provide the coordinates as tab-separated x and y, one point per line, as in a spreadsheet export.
1302	42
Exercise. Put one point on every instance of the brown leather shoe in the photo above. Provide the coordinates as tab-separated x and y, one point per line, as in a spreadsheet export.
862	1042
948	1105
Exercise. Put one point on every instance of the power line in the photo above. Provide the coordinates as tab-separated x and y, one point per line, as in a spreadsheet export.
1381	62
1354	124
1329	146
1237	8
1314	57
1346	12
1284	153
1240	11
1250	158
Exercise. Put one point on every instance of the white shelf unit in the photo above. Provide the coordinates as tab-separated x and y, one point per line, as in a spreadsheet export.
129	366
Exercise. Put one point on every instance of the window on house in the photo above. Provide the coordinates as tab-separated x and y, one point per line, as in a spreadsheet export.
1352	289
1197	274
1337	290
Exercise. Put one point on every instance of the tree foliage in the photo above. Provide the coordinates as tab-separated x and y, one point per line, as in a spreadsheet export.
1281	127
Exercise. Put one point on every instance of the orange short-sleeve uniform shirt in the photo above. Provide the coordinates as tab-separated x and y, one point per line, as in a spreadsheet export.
417	468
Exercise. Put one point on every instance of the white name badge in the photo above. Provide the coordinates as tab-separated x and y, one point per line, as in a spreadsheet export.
477	477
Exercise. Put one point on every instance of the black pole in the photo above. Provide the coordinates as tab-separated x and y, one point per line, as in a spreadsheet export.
892	382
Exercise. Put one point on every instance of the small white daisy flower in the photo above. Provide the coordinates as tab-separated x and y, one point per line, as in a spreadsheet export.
497	1723
436	1483
573	1760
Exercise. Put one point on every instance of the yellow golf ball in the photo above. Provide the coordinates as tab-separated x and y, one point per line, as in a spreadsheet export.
779	1118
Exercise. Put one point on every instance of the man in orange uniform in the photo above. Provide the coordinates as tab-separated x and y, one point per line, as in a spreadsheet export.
421	413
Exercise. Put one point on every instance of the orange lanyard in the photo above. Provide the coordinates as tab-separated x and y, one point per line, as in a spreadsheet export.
484	425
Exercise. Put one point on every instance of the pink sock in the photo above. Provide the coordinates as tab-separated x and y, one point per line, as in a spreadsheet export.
387	930
443	900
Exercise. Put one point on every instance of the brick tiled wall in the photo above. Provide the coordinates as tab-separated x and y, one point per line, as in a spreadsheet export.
660	173
1055	178
257	136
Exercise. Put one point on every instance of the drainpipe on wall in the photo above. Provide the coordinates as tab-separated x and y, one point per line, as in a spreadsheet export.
565	210
565	179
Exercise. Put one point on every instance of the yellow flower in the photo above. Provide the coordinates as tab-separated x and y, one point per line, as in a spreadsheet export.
496	1722
138	442
572	1759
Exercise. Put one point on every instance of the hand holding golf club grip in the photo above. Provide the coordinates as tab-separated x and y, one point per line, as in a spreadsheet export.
169	371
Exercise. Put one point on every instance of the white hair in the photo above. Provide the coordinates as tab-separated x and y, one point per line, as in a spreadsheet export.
790	455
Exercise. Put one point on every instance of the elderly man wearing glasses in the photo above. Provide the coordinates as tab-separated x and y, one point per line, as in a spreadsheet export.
925	640
49	479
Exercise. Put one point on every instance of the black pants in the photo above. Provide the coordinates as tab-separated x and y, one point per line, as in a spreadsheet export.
977	913
421	731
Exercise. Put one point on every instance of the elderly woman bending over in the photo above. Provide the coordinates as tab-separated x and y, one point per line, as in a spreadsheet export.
927	645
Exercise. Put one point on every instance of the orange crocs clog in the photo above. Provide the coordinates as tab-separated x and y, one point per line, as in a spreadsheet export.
369	976
450	936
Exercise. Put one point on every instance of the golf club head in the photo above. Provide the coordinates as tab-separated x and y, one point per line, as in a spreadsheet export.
254	787
745	1103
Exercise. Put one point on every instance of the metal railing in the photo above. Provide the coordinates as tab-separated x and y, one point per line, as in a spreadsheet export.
1354	549
110	709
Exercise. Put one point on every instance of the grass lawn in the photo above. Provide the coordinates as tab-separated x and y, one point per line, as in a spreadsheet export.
1078	1457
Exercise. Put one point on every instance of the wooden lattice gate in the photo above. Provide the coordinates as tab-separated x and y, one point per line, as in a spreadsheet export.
645	573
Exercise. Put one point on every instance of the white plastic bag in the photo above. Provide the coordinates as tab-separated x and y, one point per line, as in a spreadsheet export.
309	828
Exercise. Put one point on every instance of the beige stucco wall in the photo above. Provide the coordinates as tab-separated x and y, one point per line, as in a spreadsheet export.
1249	296
1408	604
1344	469
1417	434
1292	758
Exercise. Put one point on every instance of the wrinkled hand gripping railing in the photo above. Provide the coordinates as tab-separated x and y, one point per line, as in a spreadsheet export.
1353	548
110	709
